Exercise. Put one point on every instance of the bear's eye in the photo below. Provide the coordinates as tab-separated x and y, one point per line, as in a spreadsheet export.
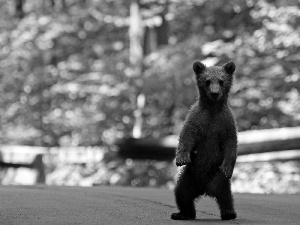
221	82
207	83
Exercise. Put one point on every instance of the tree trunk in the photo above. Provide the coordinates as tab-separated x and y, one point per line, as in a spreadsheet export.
136	33
163	29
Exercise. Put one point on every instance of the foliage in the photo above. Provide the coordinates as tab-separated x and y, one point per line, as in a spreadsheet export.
60	82
262	38
267	177
66	77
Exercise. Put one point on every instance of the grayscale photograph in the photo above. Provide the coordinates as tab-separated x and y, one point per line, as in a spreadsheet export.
143	112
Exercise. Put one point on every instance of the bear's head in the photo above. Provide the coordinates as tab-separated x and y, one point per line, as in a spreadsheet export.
214	82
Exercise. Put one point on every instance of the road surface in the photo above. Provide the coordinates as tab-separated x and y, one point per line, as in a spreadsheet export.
53	205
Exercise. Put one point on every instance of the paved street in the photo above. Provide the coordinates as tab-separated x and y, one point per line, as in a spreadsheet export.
118	205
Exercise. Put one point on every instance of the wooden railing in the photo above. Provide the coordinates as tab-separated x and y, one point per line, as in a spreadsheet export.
259	145
33	157
37	164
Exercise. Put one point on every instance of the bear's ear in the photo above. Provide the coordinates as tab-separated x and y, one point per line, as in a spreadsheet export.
229	67
198	67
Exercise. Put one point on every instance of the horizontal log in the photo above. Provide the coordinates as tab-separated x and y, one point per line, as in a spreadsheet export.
145	148
269	140
250	142
268	146
15	165
286	155
23	149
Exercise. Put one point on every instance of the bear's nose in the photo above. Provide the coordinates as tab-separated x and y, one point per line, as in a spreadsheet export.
215	95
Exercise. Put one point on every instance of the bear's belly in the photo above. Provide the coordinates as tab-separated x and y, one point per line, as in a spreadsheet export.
208	158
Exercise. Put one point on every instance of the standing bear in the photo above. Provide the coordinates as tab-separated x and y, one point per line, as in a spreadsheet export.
207	144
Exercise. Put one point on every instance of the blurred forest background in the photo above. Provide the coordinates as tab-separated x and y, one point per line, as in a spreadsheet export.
86	72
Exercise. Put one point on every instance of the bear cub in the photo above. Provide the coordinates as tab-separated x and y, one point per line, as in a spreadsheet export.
207	144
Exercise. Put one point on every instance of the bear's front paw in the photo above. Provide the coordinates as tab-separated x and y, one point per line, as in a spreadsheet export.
183	159
226	170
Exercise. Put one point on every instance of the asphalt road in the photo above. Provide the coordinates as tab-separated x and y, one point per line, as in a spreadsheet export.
118	205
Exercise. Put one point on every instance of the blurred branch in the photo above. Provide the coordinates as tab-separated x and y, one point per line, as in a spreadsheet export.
19	8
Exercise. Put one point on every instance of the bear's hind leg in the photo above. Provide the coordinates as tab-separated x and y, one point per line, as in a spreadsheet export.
185	194
225	202
220	189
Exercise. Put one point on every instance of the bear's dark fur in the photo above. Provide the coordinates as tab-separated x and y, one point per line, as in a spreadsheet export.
207	144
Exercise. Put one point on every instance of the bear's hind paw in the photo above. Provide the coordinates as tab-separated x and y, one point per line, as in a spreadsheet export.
228	215
179	216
